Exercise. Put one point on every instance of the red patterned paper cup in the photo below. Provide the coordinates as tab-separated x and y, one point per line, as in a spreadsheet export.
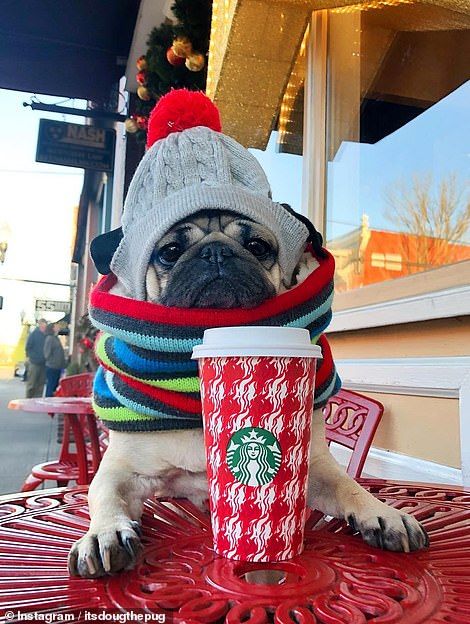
257	386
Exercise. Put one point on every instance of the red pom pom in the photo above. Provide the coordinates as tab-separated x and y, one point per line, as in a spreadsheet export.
180	110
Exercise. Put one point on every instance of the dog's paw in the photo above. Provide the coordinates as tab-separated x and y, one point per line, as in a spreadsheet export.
107	551
391	530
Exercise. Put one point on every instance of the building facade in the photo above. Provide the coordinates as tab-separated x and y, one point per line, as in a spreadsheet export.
364	107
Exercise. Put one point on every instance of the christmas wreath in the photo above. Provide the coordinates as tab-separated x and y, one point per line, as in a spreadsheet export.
176	58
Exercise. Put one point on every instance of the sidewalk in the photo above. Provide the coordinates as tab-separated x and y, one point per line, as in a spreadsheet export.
25	439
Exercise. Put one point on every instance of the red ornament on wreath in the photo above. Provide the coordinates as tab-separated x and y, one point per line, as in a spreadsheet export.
141	63
173	58
141	121
86	342
142	77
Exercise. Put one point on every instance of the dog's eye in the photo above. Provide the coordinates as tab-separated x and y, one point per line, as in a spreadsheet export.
258	247
170	253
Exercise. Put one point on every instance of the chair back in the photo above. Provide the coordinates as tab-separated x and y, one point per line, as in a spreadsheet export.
76	385
351	420
95	434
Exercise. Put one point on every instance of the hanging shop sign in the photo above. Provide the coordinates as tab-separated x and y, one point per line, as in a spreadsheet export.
47	305
75	145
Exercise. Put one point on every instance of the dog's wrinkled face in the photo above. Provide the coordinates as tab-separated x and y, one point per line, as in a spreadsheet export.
216	259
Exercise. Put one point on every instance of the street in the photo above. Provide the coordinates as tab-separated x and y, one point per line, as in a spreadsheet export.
26	439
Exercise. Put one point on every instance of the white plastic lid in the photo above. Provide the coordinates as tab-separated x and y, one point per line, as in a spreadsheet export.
253	340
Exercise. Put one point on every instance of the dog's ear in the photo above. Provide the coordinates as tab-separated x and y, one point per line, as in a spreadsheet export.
102	249
314	237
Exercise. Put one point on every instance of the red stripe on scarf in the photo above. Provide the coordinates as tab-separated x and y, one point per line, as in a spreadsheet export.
146	311
325	365
178	400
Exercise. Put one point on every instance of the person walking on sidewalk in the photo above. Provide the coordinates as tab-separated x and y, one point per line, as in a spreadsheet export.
37	363
55	358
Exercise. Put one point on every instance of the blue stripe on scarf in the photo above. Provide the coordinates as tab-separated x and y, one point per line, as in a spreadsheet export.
312	316
174	345
100	387
144	365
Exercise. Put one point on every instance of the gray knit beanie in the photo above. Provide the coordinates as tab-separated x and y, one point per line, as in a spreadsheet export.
188	170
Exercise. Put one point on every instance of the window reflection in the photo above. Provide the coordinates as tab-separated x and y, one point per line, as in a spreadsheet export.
398	138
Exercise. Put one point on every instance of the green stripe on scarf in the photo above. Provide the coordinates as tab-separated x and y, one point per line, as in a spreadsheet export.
182	384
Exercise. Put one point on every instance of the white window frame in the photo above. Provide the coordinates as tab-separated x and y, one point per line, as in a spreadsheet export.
442	377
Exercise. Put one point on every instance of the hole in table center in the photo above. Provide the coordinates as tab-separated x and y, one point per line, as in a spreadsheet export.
264	577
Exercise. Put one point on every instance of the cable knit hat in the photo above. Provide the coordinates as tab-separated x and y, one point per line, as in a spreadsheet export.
190	165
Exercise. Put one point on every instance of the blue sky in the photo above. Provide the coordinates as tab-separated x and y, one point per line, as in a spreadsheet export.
437	142
36	199
36	213
284	173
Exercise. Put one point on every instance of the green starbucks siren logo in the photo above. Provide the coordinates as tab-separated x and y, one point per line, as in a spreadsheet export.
253	456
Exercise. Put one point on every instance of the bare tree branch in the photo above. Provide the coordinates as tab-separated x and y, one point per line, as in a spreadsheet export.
434	220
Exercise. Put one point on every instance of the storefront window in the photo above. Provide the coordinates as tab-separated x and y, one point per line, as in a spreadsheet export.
397	141
282	158
284	172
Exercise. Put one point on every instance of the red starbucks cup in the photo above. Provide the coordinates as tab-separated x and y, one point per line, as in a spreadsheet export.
257	387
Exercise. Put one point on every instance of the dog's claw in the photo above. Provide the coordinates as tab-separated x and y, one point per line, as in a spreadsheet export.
132	546
393	531
137	527
129	547
107	552
84	559
417	539
352	523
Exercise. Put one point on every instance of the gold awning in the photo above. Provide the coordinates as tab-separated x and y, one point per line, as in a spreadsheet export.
254	45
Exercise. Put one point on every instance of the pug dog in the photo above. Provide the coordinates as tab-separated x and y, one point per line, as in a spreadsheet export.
217	259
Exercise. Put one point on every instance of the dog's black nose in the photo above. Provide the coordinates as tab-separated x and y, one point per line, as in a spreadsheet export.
215	253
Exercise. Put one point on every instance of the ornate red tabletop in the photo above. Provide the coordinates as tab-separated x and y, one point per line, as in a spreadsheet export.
53	405
337	579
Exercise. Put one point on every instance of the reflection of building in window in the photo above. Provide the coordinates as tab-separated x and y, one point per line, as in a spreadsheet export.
397	140
366	256
392	262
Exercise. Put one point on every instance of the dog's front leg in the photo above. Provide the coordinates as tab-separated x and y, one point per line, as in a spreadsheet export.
115	500
336	494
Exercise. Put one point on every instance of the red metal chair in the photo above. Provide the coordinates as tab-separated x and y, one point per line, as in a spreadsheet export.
82	386
76	385
84	440
351	420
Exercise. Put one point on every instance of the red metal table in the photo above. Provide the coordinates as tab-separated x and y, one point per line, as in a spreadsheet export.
88	452
337	579
54	405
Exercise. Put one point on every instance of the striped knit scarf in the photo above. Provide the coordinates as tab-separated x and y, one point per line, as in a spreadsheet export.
147	380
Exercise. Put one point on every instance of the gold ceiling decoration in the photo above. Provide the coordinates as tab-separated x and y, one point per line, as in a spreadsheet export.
295	84
370	4
462	6
254	45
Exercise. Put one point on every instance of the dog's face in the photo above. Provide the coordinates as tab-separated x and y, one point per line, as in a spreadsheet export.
216	259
